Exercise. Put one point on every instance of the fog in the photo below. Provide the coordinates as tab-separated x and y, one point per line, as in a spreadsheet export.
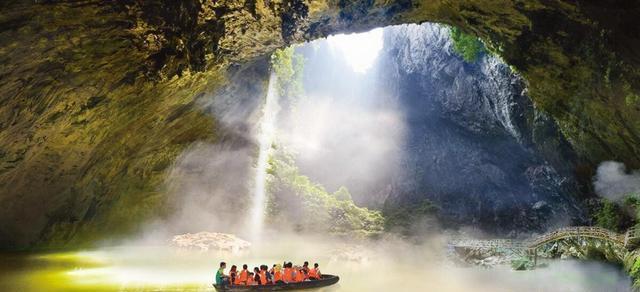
341	132
613	181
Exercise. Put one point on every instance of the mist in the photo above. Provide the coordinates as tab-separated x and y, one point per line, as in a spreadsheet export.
613	181
386	265
347	129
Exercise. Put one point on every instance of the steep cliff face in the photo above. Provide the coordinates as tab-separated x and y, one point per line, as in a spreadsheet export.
476	146
98	97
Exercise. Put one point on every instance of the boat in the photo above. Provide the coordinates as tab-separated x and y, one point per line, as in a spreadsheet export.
326	280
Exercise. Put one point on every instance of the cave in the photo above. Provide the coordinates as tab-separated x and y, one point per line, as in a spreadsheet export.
113	111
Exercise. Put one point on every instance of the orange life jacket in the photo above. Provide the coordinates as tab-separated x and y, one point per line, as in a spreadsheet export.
299	276
251	281
313	273
288	275
277	276
263	277
242	280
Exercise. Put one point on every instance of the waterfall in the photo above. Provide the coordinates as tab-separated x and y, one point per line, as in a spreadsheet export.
265	140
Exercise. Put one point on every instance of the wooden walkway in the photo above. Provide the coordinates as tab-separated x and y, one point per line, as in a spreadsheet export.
628	240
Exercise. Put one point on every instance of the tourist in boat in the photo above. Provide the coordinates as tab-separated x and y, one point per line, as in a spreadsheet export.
273	269
277	275
233	274
305	268
313	273
262	275
300	275
316	267
265	276
289	273
244	276
251	279
256	276
221	278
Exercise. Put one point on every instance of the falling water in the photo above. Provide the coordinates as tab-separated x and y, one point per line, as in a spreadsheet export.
265	138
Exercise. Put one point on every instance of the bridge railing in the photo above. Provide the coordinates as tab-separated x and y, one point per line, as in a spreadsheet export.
581	231
628	240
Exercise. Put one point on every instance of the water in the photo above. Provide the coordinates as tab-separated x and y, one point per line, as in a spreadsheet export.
265	139
392	266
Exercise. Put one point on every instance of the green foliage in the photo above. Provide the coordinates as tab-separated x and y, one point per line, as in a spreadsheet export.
609	216
294	198
631	203
467	46
288	67
343	194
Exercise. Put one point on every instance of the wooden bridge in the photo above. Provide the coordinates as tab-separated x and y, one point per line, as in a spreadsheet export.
629	240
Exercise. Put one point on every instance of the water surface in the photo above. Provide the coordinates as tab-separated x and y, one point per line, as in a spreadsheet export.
392	267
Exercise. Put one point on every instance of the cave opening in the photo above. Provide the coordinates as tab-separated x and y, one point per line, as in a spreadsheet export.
140	130
425	124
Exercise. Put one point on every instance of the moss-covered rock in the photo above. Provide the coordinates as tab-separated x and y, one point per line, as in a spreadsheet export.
98	96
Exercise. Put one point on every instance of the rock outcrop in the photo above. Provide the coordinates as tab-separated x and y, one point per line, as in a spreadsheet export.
205	241
98	97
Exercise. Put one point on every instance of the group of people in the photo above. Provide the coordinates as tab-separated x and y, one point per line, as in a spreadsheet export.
286	273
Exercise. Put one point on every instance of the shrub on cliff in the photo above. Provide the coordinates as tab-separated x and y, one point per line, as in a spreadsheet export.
609	216
288	67
467	46
296	200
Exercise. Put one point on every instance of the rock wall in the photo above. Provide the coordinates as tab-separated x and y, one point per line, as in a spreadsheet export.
98	97
476	146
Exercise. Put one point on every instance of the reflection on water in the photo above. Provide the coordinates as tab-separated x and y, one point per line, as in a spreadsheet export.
391	266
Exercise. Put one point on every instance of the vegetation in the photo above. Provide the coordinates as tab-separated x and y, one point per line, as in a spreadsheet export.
288	67
632	266
467	46
618	216
310	206
609	216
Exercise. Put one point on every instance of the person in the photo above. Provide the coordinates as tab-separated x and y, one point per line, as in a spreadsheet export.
277	275
265	276
244	276
305	268
273	269
300	275
233	275
256	277
251	280
289	273
313	273
221	278
317	268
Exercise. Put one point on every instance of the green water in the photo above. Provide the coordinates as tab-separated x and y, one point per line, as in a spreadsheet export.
385	268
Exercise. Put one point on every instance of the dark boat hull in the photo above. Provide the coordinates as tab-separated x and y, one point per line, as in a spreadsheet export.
325	281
